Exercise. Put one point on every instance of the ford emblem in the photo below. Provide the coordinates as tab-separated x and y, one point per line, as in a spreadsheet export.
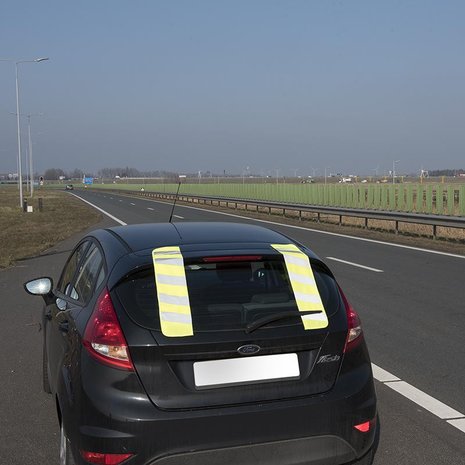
249	349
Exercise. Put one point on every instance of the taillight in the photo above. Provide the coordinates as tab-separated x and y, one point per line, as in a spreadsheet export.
354	335
366	426
104	338
104	459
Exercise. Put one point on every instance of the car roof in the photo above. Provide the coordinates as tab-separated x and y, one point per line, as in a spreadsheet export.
144	236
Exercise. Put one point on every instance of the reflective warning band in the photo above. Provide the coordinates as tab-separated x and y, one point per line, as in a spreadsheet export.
173	297
303	285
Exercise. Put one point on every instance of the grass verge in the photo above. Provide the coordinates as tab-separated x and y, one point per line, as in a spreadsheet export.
27	234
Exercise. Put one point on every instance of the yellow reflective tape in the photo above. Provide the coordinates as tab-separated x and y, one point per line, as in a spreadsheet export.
173	299
172	329
286	248
304	288
178	291
307	296
303	270
307	306
172	308
170	270
171	248
317	321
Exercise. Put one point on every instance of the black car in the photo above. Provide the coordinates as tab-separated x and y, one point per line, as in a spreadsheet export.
202	344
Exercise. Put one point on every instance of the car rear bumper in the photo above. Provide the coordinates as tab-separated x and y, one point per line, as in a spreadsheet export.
315	430
318	450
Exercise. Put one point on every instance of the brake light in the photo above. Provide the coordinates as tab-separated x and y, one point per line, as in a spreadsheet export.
354	335
233	258
365	426
104	338
104	459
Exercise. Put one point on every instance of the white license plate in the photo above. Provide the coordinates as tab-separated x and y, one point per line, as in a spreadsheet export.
246	370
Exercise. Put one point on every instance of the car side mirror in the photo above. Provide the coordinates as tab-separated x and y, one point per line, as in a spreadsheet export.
39	286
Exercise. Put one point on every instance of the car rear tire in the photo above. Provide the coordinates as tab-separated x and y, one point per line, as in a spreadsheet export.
66	456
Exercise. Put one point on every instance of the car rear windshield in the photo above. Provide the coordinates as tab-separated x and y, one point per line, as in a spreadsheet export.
226	295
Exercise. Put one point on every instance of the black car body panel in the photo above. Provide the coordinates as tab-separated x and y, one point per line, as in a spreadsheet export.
158	413
137	425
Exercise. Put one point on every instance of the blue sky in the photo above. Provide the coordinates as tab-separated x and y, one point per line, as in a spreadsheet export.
224	85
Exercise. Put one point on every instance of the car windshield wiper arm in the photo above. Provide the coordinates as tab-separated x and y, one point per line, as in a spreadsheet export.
275	317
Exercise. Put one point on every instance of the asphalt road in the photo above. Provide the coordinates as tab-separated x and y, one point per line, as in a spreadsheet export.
412	307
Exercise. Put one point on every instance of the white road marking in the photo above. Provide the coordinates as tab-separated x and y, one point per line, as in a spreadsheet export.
101	210
120	200
111	198
373	241
436	407
355	264
180	217
150	208
382	375
132	203
459	424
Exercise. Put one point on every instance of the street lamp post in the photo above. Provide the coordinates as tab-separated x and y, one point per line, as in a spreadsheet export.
326	168
31	166
20	173
29	152
394	170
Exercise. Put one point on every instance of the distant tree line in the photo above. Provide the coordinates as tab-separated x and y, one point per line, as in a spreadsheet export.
53	174
128	172
449	173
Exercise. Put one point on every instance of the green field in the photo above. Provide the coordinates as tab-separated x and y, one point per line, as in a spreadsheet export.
440	199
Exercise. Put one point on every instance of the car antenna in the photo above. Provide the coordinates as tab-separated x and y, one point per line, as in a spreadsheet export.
176	197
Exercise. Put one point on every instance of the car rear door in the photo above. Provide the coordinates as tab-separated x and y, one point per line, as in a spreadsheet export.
82	274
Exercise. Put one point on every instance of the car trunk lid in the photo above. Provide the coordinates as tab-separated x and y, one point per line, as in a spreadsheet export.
221	363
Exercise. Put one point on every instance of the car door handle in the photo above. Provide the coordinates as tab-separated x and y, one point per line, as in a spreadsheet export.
64	326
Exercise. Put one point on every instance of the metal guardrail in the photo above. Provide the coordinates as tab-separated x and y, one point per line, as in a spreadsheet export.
397	218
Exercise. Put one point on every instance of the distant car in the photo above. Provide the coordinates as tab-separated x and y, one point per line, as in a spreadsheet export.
69	187
205	343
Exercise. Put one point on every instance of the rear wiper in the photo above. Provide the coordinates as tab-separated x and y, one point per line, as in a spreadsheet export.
276	316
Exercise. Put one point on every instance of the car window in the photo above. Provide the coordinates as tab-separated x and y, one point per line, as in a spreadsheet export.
100	278
88	275
226	295
64	284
